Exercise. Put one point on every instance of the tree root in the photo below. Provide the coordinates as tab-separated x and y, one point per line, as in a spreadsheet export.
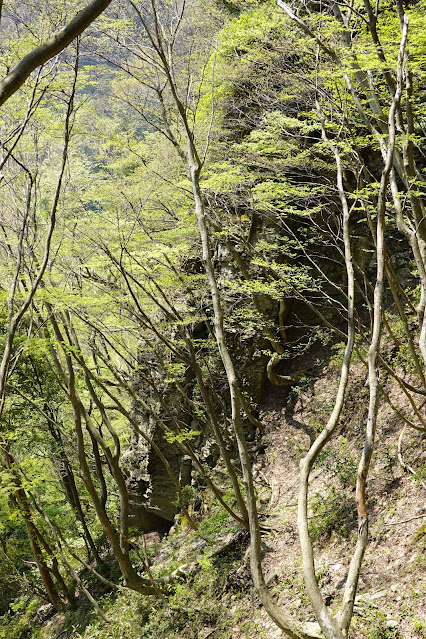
281	380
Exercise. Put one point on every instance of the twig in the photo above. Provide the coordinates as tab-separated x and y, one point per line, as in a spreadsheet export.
404	465
405	521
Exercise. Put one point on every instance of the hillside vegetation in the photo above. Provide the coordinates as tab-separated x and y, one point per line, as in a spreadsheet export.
212	320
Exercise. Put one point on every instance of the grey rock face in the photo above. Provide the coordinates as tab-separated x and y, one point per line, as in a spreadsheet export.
153	499
153	495
152	492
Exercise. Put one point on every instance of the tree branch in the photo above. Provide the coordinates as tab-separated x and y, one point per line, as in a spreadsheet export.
44	52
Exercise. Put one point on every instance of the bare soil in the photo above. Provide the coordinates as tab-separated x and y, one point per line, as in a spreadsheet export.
391	599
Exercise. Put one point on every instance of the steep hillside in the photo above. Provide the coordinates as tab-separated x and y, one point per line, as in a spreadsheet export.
214	596
213	315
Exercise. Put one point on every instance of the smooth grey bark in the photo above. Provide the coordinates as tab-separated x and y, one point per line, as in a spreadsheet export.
289	625
373	353
338	627
328	624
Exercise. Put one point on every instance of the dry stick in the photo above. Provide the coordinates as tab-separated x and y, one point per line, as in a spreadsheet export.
404	521
398	412
148	569
390	331
405	388
404	465
88	567
398	286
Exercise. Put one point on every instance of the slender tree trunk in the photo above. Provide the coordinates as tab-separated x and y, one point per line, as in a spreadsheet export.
34	535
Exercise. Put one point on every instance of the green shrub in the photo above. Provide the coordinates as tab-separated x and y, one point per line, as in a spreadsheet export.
377	627
334	512
339	463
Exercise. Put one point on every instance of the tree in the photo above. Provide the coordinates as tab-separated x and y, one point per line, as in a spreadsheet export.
24	273
131	289
164	63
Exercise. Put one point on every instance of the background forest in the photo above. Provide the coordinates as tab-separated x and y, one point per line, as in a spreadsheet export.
212	319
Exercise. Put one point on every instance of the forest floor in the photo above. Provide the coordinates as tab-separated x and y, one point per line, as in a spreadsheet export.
391	598
215	598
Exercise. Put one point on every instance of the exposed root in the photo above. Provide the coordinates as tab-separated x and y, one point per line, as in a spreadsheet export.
281	380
